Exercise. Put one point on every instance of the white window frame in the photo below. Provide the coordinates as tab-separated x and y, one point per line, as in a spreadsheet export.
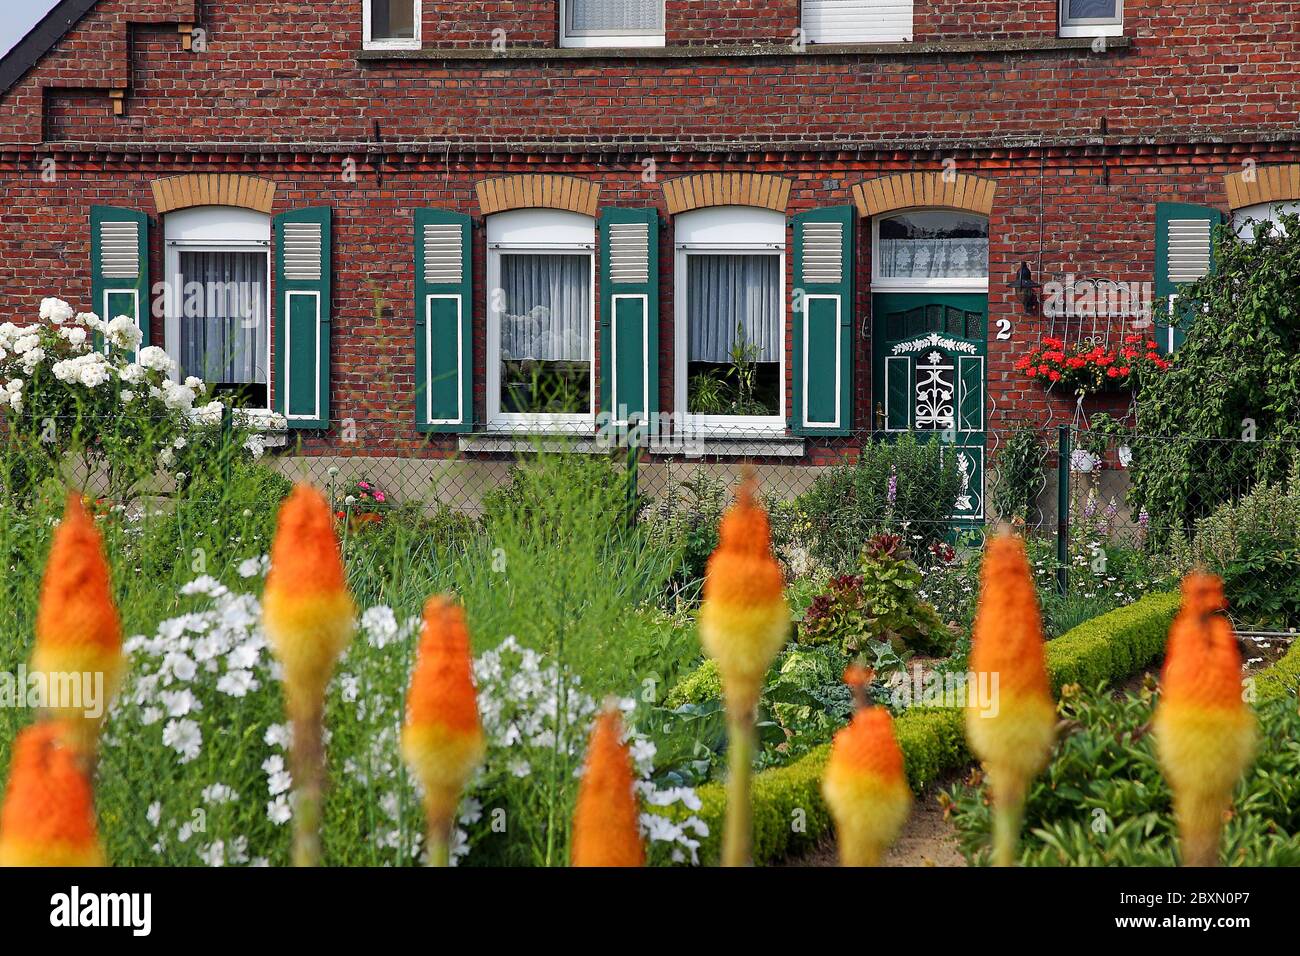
1091	26
213	229
881	283
1245	218
725	230
632	38
390	43
536	232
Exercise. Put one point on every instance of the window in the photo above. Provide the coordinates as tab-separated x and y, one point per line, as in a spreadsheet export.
930	249
612	22
392	24
730	323
857	21
217	323
1245	220
541	329
1092	18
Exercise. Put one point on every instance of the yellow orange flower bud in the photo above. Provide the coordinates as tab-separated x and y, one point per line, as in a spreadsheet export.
308	612
48	816
1012	730
606	831
744	619
78	632
865	787
1205	732
442	740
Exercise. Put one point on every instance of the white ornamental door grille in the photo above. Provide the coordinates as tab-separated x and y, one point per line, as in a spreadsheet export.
935	389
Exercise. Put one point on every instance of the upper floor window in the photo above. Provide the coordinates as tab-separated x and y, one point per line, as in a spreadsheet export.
392	24
1092	18
930	249
857	21
612	22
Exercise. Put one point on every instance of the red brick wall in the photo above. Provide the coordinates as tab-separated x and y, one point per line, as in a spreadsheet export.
752	21
1200	77
1193	65
1081	223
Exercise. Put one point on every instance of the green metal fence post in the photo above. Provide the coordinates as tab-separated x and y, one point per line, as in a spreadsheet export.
633	478
1063	509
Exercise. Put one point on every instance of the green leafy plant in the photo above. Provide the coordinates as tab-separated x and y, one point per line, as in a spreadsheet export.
1225	411
1020	474
1253	543
907	486
880	604
1103	801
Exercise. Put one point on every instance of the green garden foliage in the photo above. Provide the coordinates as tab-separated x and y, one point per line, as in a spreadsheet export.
1110	648
903	486
1020	475
1103	801
1236	379
1253	543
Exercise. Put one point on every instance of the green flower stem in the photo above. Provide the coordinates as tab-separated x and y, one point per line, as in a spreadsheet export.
308	756
738	833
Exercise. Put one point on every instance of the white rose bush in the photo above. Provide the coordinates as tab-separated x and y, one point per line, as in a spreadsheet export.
76	387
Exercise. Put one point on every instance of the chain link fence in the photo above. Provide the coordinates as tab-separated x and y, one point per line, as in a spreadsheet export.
1100	502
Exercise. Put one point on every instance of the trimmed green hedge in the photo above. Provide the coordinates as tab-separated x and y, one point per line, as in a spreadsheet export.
1281	679
789	814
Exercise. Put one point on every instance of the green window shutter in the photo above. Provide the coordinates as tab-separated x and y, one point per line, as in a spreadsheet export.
823	321
899	374
444	342
302	321
629	313
119	257
1184	253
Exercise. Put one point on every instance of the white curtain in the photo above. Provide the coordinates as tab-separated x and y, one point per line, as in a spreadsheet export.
934	258
727	295
547	308
1092	9
224	323
614	16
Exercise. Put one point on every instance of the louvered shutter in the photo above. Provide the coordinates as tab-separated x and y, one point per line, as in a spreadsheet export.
303	244
629	313
119	254
1184	253
857	21
823	321
444	357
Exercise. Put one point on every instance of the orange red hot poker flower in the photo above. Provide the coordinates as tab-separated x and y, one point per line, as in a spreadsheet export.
606	831
1011	730
865	787
306	607
78	631
744	620
48	815
1204	731
442	740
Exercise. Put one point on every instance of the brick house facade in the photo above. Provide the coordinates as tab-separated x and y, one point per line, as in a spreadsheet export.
414	168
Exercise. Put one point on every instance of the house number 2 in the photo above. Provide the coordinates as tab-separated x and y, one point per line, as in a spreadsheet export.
1004	328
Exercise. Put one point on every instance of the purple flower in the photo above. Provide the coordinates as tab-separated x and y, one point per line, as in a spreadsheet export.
893	485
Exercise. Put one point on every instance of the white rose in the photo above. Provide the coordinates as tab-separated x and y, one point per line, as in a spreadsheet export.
95	375
165	457
180	442
56	311
211	413
15	385
127	396
131	373
26	343
255	444
76	336
32	359
152	357
124	333
177	396
194	383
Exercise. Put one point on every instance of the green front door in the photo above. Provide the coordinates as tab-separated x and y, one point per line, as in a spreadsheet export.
928	374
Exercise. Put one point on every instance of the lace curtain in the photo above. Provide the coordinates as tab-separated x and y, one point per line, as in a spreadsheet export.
727	292
933	258
224	329
547	308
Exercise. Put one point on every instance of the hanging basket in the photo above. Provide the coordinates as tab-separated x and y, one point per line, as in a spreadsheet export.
1125	454
1083	461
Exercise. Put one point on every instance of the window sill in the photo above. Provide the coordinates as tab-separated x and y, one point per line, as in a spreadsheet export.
756	446
515	442
732	50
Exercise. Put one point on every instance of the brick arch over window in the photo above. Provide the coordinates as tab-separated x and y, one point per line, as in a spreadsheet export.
213	189
1263	184
726	189
537	191
910	190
